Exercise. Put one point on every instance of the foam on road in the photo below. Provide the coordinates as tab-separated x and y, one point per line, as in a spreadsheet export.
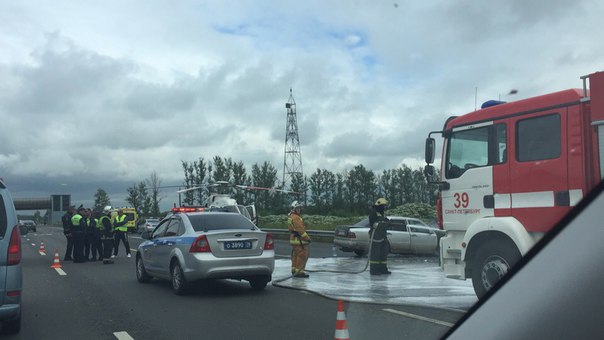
422	284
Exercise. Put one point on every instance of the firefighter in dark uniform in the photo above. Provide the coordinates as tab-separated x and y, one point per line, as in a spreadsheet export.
89	235
78	230
66	220
378	226
107	235
97	245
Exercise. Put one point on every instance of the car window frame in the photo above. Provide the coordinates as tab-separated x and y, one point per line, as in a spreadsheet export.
174	223
158	231
398	225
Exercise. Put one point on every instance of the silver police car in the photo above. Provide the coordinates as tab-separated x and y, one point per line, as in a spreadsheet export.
189	245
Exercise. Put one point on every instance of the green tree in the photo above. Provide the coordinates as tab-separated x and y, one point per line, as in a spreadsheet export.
339	200
135	196
264	175
322	185
361	186
240	178
145	203
222	169
190	181
196	174
299	184
154	183
101	199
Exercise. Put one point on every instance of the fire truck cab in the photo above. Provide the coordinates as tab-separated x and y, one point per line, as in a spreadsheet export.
509	172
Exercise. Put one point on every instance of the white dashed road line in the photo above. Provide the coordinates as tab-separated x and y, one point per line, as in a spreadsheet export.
123	336
42	253
60	271
419	317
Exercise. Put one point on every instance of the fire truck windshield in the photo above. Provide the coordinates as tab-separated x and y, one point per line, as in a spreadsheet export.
475	148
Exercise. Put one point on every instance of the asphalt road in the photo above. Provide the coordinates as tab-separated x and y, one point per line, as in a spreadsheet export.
96	301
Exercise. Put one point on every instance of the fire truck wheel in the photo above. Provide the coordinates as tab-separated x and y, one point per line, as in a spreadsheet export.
493	260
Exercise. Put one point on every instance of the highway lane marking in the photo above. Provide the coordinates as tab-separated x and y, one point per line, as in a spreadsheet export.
33	244
42	253
419	317
123	336
60	271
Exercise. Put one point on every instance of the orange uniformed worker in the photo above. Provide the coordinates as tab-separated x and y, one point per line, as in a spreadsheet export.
299	240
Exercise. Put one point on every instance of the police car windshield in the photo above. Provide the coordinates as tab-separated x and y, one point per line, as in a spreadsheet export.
206	222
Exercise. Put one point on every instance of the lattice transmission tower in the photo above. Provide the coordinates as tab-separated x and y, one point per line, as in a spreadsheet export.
292	159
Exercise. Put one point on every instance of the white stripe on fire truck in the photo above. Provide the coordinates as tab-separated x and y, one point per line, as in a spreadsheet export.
538	199
575	196
503	201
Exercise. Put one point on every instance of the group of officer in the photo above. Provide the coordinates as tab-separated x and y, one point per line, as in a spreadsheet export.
92	235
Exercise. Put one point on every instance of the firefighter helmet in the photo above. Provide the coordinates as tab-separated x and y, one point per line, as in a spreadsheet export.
381	201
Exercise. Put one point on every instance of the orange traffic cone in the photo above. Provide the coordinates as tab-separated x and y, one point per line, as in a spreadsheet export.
56	263
42	248
341	327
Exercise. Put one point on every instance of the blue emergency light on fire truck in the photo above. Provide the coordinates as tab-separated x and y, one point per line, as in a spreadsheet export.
509	172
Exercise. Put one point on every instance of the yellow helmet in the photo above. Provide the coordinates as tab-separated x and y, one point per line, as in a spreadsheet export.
381	201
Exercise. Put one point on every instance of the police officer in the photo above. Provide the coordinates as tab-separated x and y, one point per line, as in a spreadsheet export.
299	240
66	220
78	229
107	235
89	235
378	224
97	245
121	232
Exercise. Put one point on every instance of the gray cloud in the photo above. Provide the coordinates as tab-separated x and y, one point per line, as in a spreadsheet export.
92	105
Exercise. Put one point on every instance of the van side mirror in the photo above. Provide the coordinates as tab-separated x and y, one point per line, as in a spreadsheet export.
430	148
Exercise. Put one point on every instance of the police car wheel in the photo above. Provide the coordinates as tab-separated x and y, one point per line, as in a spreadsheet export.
179	282
141	273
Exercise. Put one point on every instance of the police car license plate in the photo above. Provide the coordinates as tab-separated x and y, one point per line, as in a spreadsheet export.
233	245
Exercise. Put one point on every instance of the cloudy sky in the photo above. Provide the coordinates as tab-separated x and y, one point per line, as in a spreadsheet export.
100	94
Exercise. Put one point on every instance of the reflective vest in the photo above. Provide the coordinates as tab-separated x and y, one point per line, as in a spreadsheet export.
119	219
101	225
75	222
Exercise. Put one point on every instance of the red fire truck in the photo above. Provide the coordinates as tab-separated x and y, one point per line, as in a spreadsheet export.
509	172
